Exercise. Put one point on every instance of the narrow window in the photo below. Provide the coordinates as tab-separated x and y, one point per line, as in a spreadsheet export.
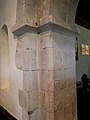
4	58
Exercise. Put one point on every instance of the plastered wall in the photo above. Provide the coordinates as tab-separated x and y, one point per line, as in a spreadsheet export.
83	63
9	96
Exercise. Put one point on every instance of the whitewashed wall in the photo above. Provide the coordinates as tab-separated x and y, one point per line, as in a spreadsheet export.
9	97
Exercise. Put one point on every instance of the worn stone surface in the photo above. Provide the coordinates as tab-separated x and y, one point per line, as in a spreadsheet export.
25	115
38	12
46	80
33	100
29	103
59	115
23	99
46	100
45	51
57	76
47	60
26	52
63	11
46	56
46	115
49	89
30	81
35	115
43	11
26	12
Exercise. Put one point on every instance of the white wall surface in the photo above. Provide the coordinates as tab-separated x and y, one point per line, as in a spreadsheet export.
83	63
9	98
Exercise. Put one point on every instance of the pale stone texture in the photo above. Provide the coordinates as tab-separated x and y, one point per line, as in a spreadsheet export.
26	12
65	96
46	78
43	11
23	99
35	115
57	76
47	60
30	81
63	12
26	52
27	61
25	115
59	115
33	101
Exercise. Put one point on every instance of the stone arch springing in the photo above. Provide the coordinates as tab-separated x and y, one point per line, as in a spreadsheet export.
4	58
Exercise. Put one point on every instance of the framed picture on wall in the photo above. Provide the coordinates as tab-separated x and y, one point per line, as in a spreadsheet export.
85	49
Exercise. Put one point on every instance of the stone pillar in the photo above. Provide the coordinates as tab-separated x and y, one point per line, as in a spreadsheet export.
57	76
26	58
57	85
45	52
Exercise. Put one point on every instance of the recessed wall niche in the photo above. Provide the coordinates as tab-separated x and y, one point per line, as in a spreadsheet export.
4	59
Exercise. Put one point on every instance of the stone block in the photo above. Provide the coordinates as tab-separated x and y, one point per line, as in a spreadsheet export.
74	108
58	75
26	60
68	113
24	100
28	101
46	115
61	8
31	2
25	115
26	52
73	93
68	59
46	40
59	100
20	10
62	41
75	117
57	59
69	76
30	14
69	43
35	115
46	100
58	9
28	40
67	96
43	9
71	11
30	80
45	60
58	80
33	100
59	85
26	80
26	12
59	115
58	40
46	80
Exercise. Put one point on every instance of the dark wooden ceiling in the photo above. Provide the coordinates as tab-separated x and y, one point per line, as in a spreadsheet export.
83	14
